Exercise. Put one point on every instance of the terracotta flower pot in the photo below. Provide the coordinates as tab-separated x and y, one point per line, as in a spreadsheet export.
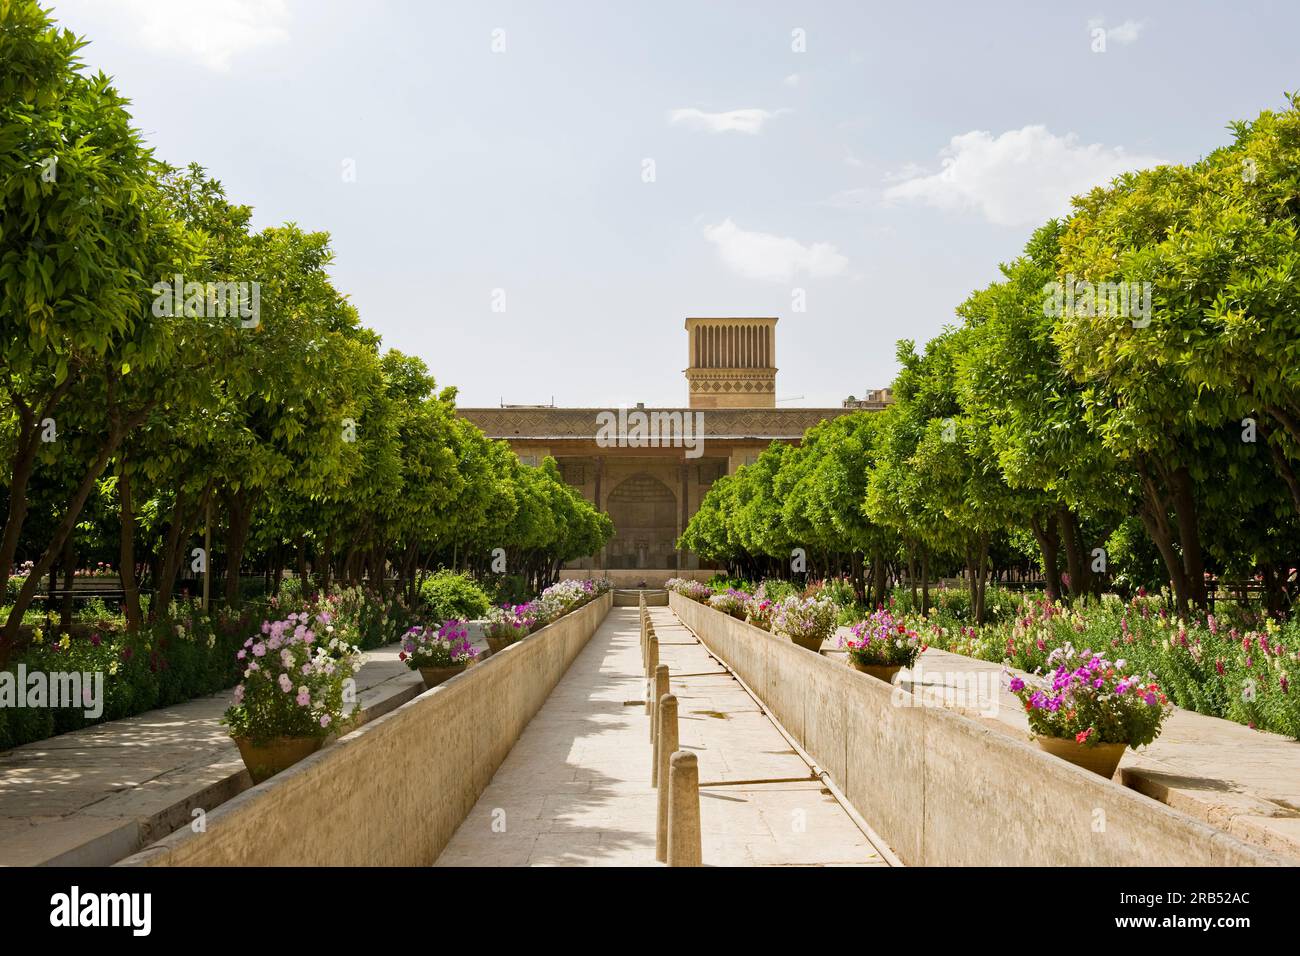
498	644
885	672
433	676
1101	759
813	644
268	759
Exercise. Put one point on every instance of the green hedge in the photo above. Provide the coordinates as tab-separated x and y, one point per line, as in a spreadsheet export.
449	594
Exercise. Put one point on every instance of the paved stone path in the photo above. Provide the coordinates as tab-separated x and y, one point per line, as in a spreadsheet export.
575	790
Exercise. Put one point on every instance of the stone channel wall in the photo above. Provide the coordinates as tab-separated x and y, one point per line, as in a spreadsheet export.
393	792
943	789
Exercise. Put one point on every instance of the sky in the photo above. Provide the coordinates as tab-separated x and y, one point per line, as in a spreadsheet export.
533	197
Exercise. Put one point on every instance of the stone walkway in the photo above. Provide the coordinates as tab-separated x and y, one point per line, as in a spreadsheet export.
575	790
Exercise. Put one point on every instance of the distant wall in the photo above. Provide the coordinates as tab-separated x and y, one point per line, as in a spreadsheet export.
393	792
634	578
942	789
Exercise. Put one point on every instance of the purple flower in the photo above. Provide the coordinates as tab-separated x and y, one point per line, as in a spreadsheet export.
1016	685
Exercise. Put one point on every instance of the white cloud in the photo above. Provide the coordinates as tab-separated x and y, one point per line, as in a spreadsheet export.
791	80
1021	177
211	32
856	198
734	121
1124	34
760	255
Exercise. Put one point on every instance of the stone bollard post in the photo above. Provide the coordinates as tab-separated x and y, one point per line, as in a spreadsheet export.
651	662
659	756
683	810
658	690
665	746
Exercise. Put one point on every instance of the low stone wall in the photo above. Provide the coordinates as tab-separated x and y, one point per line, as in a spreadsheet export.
942	789
393	792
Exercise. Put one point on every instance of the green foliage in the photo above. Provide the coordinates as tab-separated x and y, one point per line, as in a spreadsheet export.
365	617
508	589
449	594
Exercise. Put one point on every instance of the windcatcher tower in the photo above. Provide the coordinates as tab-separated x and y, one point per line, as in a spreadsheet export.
731	363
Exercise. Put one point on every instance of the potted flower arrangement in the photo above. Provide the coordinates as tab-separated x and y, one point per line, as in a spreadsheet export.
292	693
882	646
758	611
694	590
730	601
507	624
806	621
1089	709
438	655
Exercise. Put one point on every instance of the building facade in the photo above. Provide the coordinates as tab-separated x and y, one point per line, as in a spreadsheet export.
649	468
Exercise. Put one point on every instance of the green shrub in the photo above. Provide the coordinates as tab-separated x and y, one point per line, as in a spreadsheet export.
12	587
450	594
776	590
290	588
509	589
367	618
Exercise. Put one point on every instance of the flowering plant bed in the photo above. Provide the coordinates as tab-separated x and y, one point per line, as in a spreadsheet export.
296	680
1090	702
561	598
730	602
438	654
1233	664
806	621
759	610
690	589
881	645
507	624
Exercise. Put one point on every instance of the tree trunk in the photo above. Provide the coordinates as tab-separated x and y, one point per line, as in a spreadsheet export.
183	523
27	442
1282	466
126	549
925	579
971	573
326	558
277	569
24	599
21	473
1189	535
1074	559
240	506
911	570
1154	513
1048	535
69	578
